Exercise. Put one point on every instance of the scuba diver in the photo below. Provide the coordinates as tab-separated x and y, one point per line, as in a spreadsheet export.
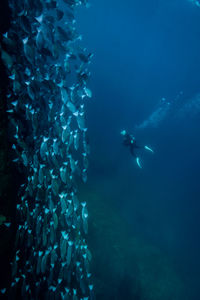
130	141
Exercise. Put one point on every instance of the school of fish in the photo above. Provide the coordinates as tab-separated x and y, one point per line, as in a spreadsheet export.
48	76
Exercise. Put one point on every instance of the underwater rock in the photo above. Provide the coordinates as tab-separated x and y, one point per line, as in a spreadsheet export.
133	268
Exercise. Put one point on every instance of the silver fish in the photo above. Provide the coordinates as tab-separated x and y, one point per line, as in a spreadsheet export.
35	161
44	261
63	246
54	255
80	117
55	219
52	233
63	174
55	146
84	217
29	51
63	203
85	225
73	163
64	95
76	140
65	133
88	92
71	107
55	185
85	161
74	297
44	236
25	159
75	201
40	40
84	175
41	174
38	268
69	252
44	148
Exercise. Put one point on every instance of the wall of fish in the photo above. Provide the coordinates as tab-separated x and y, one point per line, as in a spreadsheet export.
48	76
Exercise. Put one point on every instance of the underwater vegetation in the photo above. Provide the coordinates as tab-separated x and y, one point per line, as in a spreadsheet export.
47	70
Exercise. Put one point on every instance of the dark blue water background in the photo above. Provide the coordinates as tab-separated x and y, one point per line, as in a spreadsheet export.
143	51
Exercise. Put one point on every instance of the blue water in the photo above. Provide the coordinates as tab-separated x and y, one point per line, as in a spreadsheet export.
143	51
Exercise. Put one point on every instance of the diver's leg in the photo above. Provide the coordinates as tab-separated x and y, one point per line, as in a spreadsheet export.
132	150
136	157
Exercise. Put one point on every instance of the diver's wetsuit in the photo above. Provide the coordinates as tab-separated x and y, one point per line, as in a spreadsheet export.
130	141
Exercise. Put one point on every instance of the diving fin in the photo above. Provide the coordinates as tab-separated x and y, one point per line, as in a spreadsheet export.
138	162
149	149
